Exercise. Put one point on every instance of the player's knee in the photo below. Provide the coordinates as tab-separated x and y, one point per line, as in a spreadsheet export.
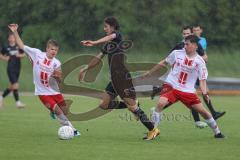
161	104
56	109
104	105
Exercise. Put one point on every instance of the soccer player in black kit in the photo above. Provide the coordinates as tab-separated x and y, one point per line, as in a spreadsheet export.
121	80
12	54
186	31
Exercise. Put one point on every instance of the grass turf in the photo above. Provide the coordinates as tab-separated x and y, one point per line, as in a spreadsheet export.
30	133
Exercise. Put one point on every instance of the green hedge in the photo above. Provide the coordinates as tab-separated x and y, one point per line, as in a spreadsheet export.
152	24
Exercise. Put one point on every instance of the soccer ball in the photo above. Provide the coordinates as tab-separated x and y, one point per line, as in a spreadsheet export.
65	132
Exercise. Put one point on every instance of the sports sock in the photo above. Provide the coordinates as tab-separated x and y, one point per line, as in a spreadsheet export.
117	105
16	95
144	119
63	120
6	92
156	118
209	105
122	105
195	115
212	123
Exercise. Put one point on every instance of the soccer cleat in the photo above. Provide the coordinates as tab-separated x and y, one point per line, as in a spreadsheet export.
53	115
19	104
200	124
152	134
135	116
219	135
217	115
76	133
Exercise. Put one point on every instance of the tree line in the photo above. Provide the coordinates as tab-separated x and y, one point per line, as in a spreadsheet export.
150	24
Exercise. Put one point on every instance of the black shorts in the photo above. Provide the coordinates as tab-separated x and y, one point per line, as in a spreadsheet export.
123	92
13	76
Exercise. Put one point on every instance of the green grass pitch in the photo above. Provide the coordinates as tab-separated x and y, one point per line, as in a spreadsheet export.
30	133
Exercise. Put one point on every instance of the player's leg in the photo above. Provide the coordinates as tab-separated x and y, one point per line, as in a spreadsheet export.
50	103
62	117
167	98
15	87
209	119
192	101
208	103
7	90
198	122
4	94
109	99
196	117
156	113
134	107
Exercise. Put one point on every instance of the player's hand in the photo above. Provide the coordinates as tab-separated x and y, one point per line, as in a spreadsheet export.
18	55
81	74
87	43
57	74
13	27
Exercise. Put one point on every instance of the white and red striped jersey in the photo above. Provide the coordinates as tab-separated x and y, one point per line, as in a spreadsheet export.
42	71
185	71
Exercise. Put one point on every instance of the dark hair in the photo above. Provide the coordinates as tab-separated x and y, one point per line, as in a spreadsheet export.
187	27
112	21
53	43
197	25
10	33
192	39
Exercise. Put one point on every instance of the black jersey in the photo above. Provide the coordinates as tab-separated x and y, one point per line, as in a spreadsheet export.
14	62
180	45
111	49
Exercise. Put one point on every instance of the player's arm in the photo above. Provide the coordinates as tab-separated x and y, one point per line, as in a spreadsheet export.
13	28
20	54
4	57
157	67
169	60
99	41
204	89
205	57
202	76
95	61
203	86
57	74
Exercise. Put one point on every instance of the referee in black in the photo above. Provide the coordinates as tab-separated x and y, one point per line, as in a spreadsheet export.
12	54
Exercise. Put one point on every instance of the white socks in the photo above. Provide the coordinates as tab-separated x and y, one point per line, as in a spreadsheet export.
212	123
155	117
64	121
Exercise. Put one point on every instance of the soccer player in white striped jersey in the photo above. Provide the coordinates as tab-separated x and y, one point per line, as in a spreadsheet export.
46	74
186	67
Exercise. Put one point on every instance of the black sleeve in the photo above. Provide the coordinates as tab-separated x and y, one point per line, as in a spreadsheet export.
118	36
200	50
104	50
178	46
4	51
20	51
